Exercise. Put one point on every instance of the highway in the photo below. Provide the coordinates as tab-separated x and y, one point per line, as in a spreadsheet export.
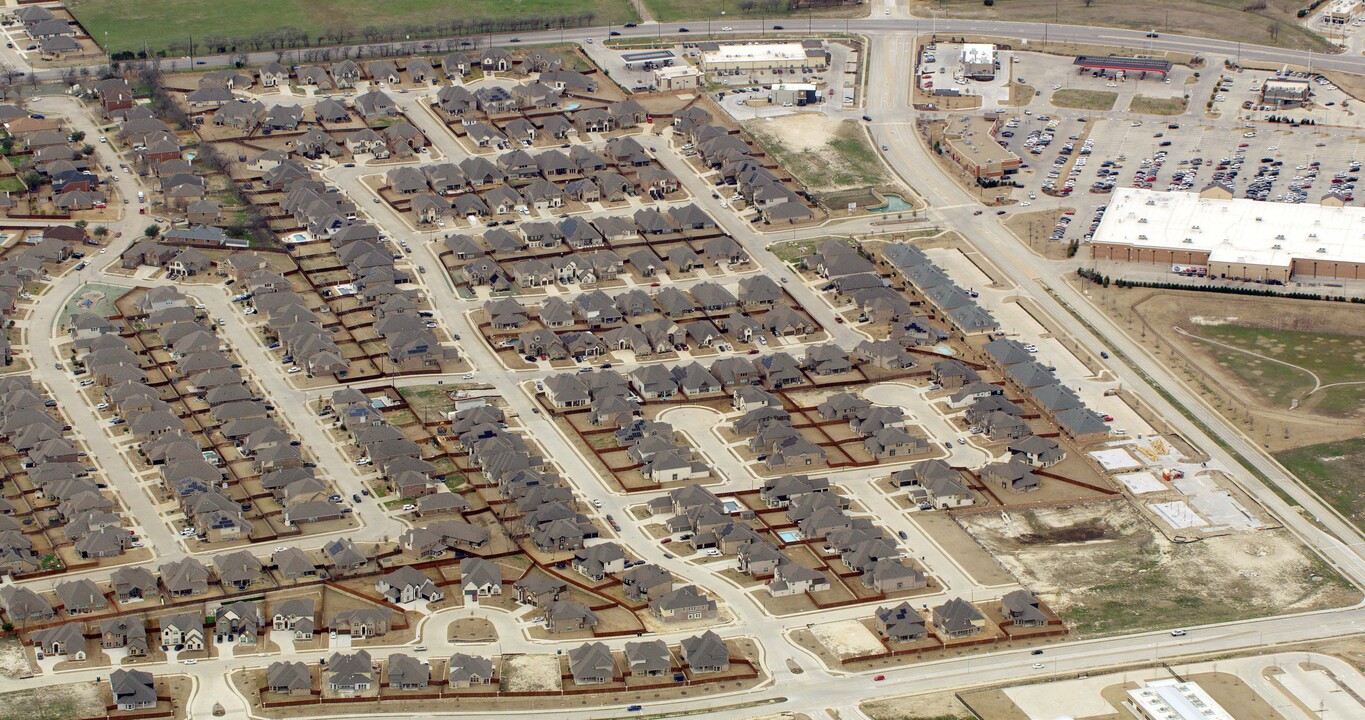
890	64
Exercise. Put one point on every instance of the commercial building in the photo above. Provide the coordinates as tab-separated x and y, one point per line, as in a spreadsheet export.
1171	699
1237	239
1340	12
978	61
797	94
787	57
681	77
971	144
1285	92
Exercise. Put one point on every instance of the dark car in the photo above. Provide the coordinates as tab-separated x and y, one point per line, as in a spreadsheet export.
777	27
1152	35
515	40
683	30
630	25
613	33
867	118
1037	652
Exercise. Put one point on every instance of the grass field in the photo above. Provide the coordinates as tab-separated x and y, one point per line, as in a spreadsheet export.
1334	358
1224	19
1085	99
674	10
1335	471
1156	106
169	24
822	155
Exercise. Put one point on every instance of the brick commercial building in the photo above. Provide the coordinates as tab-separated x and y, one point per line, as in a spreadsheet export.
1235	239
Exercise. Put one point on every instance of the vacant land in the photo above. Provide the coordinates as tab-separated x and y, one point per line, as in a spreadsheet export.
1156	106
823	155
1106	570
1335	471
1313	369
935	706
1225	19
1085	99
169	24
57	702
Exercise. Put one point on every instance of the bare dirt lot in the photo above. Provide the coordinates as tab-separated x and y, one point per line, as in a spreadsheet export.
823	154
78	700
13	662
937	706
1105	569
530	673
848	638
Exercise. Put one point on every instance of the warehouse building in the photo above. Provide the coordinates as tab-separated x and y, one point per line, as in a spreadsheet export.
1236	239
1286	92
787	57
978	61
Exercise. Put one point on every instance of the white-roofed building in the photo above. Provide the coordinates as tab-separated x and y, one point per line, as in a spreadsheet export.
762	56
1238	239
1174	700
978	61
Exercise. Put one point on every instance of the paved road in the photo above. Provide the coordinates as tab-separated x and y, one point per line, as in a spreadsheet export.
818	688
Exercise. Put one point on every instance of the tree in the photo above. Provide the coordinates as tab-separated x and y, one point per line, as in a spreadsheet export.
82	224
152	231
1274	31
78	136
100	231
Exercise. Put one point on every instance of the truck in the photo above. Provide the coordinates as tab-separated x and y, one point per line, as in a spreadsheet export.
141	197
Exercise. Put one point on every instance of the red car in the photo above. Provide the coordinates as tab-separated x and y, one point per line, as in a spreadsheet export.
879	678
665	541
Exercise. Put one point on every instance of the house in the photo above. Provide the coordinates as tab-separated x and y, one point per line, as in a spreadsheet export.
128	632
705	653
468	670
899	624
80	596
684	603
648	659
132	689
407	584
592	664
295	615
1020	608
238	622
480	577
1034	450
183	632
67	639
406	672
957	618
1015	475
288	678
565	616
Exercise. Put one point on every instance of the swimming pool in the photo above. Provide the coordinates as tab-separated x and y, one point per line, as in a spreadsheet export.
731	506
894	203
789	535
297	238
573	106
943	350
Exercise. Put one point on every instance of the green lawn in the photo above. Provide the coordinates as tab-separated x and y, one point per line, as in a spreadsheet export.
1156	106
1334	357
1335	471
169	24
673	10
12	184
1085	99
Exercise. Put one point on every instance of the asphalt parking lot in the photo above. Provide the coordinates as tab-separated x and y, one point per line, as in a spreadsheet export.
1263	161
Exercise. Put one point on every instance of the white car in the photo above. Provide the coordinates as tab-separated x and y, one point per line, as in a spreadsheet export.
597	503
409	507
1024	204
467	376
192	661
295	370
1038	666
187	532
102	406
727	28
201	306
1177	633
87	383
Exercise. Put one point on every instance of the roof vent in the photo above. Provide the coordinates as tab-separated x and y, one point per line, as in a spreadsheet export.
1322	250
1276	246
1188	241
